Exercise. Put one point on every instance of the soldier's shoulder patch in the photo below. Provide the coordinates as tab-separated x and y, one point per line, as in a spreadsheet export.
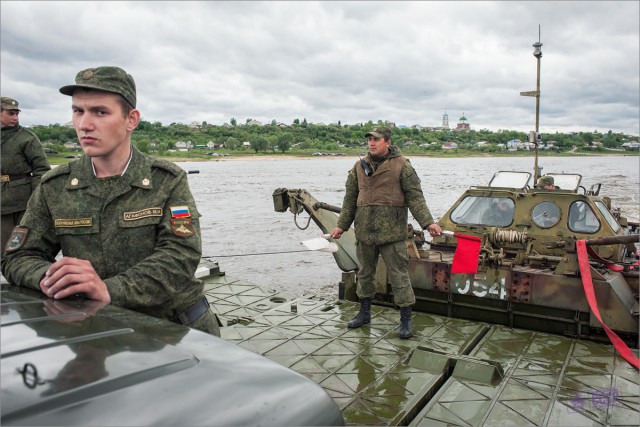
63	169
168	166
182	227
17	239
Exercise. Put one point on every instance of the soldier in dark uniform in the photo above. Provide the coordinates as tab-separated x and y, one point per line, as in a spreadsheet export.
380	190
23	163
500	213
546	183
127	224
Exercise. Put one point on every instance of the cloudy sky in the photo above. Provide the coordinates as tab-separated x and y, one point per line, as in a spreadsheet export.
406	62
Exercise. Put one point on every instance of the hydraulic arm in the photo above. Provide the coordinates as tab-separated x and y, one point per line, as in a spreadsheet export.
324	215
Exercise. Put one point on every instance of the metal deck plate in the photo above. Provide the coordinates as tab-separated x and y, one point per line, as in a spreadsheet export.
452	372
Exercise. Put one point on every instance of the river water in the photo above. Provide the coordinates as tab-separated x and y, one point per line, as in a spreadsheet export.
241	230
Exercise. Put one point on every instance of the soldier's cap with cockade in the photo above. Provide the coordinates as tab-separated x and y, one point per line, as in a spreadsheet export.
9	103
379	132
106	78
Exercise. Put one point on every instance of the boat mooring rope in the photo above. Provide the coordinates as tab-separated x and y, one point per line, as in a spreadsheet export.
254	254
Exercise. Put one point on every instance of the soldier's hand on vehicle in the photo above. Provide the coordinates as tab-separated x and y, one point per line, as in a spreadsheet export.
337	233
434	229
69	276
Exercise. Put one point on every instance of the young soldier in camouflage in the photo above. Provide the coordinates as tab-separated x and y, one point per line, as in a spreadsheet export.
127	224
380	190
23	163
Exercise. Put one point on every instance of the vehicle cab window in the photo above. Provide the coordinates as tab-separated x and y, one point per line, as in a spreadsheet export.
582	219
545	214
492	211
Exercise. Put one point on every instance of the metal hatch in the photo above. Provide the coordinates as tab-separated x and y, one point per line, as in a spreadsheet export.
510	179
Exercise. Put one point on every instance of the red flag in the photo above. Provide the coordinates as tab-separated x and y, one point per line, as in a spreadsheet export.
465	259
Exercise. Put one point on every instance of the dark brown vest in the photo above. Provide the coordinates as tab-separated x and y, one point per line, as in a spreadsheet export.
383	187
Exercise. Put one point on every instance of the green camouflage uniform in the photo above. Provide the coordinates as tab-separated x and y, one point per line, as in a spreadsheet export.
382	230
22	154
126	227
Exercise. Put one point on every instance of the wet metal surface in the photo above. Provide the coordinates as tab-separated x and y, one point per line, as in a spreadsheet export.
549	380
452	372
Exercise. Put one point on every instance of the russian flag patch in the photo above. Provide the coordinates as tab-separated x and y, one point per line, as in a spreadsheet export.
180	212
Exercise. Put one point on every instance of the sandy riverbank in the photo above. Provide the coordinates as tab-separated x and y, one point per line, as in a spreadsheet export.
251	158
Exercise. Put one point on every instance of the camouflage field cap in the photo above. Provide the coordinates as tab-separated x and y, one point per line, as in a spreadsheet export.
379	132
108	79
544	180
9	103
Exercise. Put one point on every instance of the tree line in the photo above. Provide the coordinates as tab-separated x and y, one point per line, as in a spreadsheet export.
154	137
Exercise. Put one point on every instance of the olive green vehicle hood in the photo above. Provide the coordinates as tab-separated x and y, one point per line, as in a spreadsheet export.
78	362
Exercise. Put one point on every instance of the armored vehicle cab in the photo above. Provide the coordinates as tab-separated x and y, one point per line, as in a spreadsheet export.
528	263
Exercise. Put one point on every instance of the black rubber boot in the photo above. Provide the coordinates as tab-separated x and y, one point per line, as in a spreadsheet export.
364	315
406	325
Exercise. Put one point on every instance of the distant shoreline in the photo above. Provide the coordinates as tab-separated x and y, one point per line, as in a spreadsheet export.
280	157
274	157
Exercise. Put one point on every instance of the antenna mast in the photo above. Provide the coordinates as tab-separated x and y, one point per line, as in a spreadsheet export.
535	137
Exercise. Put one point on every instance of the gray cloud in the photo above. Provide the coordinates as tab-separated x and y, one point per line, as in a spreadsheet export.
407	62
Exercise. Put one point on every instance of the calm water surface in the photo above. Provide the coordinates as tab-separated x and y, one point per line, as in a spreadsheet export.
241	230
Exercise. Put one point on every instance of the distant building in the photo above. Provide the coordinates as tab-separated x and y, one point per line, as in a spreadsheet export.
183	146
449	145
445	121
516	144
463	124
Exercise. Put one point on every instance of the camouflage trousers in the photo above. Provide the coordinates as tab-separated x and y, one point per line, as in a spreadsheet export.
396	259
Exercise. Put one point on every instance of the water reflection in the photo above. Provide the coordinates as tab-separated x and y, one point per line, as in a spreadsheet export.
89	342
86	367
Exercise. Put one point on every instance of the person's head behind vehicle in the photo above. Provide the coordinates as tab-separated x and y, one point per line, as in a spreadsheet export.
546	182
